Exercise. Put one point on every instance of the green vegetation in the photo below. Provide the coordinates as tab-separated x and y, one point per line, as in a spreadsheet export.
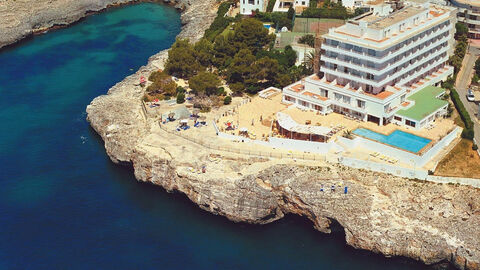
182	60
271	4
476	75
290	13
279	19
307	39
460	49
180	98
227	100
461	29
242	57
426	103
205	83
468	132
220	23
162	86
328	10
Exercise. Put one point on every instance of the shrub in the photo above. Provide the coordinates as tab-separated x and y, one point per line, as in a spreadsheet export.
271	4
307	39
227	100
220	91
180	90
220	23
205	83
180	98
468	132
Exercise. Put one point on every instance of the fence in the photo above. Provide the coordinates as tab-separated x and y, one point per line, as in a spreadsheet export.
331	158
258	153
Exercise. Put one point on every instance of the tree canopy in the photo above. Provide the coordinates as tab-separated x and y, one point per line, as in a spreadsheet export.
205	83
182	60
250	34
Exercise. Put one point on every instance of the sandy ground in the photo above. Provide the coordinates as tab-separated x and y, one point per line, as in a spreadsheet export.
267	108
256	114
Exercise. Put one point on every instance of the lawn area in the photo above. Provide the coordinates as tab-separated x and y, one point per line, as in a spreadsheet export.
227	30
462	161
426	103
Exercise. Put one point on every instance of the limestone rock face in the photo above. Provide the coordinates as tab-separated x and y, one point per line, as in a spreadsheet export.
430	222
382	213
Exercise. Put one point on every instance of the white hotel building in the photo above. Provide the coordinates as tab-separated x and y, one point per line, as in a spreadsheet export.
372	65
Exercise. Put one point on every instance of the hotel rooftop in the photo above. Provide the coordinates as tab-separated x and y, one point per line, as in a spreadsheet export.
383	26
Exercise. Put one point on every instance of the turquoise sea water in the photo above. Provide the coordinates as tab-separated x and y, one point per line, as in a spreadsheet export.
64	205
397	138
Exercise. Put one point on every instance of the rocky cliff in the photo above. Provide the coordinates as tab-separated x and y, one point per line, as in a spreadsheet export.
426	221
385	214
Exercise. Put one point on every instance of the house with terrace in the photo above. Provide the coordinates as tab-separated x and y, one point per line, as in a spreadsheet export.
382	67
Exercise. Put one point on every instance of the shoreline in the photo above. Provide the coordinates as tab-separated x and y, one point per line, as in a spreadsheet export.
180	6
384	214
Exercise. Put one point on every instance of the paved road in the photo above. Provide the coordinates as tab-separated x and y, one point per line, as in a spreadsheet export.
463	81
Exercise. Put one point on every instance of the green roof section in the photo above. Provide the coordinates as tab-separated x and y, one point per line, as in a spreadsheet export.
426	103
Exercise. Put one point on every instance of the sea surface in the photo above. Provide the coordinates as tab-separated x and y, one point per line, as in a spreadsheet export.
65	205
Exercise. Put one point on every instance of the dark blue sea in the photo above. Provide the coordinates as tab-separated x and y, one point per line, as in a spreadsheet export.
64	205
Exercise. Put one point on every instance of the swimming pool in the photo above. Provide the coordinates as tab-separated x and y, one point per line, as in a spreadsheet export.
398	138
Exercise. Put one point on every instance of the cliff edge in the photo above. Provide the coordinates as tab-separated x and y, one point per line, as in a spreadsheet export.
430	222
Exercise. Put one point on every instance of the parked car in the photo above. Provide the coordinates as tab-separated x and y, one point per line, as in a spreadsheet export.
470	95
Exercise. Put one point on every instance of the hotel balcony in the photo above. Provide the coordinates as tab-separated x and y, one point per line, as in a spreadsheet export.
391	65
392	54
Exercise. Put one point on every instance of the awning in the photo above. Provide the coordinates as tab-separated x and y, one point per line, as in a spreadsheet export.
286	122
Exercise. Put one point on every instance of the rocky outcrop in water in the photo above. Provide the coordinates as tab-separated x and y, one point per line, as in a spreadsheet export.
430	222
22	18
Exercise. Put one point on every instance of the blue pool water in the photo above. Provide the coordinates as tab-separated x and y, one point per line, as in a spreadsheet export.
398	138
65	205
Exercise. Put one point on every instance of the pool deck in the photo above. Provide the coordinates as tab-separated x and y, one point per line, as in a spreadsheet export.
419	152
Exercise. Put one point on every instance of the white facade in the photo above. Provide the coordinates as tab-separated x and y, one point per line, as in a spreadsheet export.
284	5
248	7
352	4
373	63
469	13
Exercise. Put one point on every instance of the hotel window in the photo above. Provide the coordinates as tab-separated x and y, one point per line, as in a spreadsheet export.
369	76
402	99
368	88
397	118
338	97
360	104
288	98
318	108
324	93
410	123
346	99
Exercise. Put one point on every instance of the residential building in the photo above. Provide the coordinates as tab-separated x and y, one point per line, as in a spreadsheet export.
469	13
248	7
373	66
284	5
